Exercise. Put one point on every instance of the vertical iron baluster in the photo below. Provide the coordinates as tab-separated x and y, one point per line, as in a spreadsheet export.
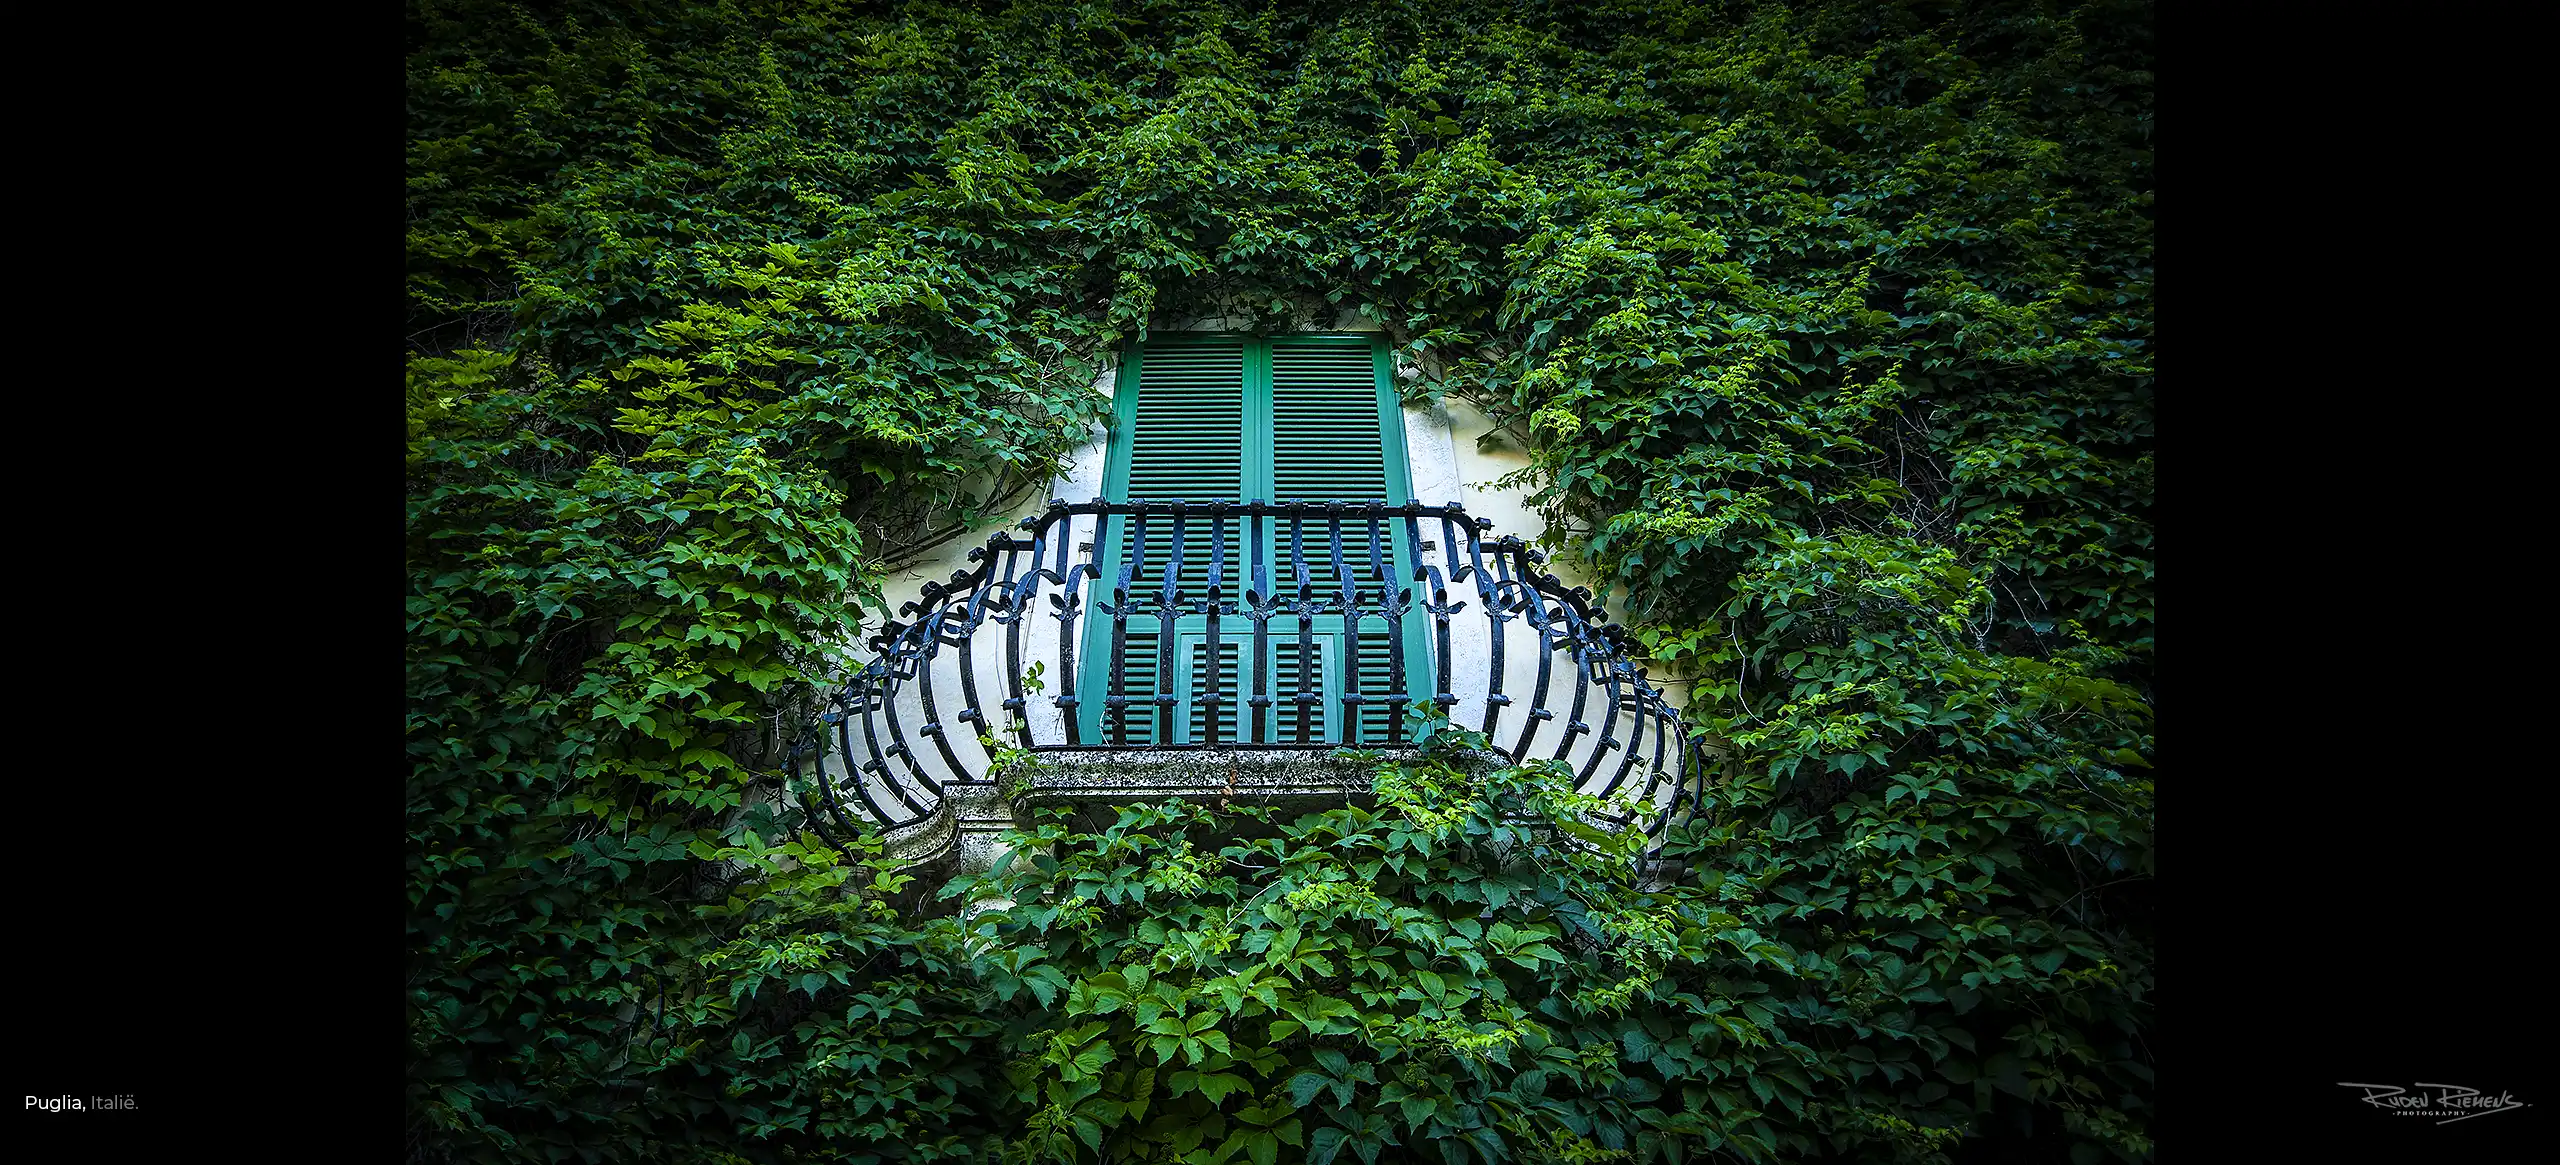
1441	608
1348	595
1168	681
1259	601
1116	706
1535	605
1213	605
1025	595
982	591
844	748
1070	609
1636	707
1400	673
1634	731
1308	693
1488	591
1444	693
1379	576
1018	587
1607	741
1661	757
1573	725
897	749
932	729
1695	765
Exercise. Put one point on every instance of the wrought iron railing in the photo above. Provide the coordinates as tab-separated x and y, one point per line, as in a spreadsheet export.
1111	624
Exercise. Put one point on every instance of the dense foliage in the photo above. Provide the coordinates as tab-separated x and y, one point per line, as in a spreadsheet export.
1828	326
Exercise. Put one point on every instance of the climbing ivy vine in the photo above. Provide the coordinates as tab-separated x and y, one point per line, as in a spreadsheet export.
1826	327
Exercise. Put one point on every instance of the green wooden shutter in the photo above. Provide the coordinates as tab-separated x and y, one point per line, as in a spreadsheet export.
1337	433
1181	433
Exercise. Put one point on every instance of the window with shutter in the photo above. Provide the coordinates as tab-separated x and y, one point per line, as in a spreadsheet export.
1222	416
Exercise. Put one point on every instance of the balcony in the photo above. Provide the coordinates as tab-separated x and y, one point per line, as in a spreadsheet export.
1082	649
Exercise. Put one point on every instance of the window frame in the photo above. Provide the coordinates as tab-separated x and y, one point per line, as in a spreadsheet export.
1257	477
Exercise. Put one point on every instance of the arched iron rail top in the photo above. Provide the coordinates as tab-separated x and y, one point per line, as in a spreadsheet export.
959	669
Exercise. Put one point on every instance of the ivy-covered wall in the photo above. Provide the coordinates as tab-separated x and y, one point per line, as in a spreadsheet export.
1826	328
